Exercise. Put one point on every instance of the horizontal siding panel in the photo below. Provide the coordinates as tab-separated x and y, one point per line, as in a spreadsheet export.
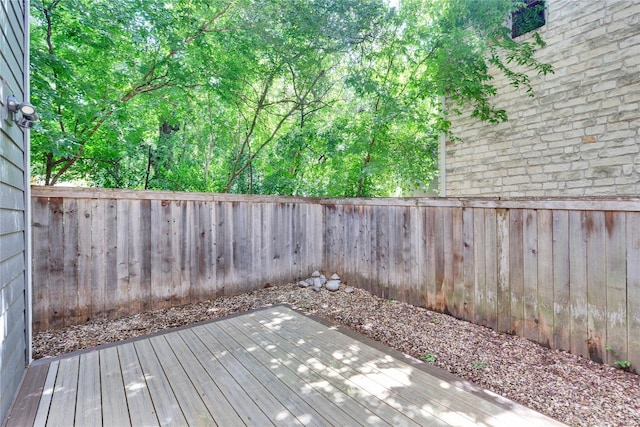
11	291
12	268
12	35
12	171
12	198
11	221
11	245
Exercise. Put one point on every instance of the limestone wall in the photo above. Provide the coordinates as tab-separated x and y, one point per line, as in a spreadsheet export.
579	135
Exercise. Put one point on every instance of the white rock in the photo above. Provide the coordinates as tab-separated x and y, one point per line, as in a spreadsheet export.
349	289
315	274
335	277
303	284
317	282
333	285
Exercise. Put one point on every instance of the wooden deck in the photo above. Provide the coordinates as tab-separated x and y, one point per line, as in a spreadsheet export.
274	366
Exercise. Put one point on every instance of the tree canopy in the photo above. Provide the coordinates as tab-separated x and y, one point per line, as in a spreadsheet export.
292	97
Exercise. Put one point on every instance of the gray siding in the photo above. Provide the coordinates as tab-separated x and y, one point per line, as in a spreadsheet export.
14	348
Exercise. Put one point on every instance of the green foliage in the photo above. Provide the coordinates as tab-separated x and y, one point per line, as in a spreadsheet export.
314	98
479	365
625	365
429	357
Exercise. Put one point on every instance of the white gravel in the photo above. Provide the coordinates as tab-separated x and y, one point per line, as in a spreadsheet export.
568	388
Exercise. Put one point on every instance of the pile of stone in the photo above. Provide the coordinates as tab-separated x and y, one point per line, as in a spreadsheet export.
317	281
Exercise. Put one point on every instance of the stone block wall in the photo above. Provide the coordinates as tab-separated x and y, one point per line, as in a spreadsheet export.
580	134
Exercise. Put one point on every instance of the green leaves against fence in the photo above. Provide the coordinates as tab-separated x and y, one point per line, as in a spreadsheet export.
300	97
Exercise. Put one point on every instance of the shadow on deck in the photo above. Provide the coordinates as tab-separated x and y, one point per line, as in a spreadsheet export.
274	366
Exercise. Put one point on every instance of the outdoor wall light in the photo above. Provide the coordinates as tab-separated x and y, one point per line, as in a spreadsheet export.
27	112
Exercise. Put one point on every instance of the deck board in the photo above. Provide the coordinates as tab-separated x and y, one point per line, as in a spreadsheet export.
244	371
141	409
194	409
281	382
89	409
164	400
112	389
26	404
293	372
394	405
47	394
63	402
238	397
273	366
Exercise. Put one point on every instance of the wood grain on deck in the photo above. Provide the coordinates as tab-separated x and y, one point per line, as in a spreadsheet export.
274	366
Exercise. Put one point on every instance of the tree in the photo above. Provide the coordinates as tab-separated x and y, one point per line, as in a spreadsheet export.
95	57
322	97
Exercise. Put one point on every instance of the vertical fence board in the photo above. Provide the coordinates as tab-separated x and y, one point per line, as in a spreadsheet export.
205	252
545	278
402	262
160	253
191	276
429	276
146	230
382	237
267	237
616	306
415	250
98	259
561	282
123	294
633	289
56	261
491	267
480	256
297	242
174	214
596	285
135	231
516	270
362	257
239	249
530	274
371	272
291	212
341	240
578	282
504	291
39	233
215	287
457	263
255	223
223	247
111	297
468	265
316	238
85	295
186	244
70	264
443	238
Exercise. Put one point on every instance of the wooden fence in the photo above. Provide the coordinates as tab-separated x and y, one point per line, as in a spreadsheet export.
563	273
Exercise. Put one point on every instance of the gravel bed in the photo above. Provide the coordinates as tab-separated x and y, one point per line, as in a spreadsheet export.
568	388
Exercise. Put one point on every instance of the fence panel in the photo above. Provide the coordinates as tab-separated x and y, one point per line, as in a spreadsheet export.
564	273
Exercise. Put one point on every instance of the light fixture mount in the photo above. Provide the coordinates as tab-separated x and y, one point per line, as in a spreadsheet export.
27	112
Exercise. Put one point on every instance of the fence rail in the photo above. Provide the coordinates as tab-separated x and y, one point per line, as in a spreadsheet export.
564	273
